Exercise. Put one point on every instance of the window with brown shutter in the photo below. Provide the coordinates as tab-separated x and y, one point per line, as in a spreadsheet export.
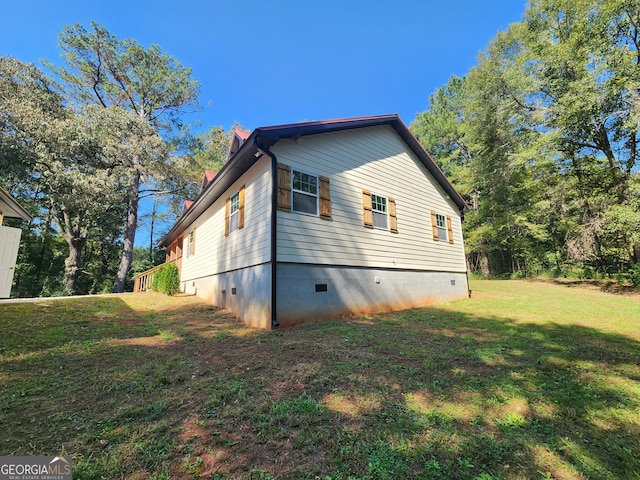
234	212
367	214
284	187
241	208
325	198
441	227
379	212
393	221
302	192
227	210
434	225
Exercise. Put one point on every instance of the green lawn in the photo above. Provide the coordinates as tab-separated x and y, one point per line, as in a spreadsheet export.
525	380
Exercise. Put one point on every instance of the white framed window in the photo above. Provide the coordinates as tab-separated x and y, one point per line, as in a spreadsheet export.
234	208
441	225
191	243
379	211
304	193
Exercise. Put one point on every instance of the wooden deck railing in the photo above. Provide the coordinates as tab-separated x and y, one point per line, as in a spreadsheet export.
143	281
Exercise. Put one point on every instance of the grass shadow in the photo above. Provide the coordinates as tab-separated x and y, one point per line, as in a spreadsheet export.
427	393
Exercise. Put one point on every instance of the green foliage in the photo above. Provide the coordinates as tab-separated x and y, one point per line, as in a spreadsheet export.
166	279
541	137
76	148
634	275
144	260
208	152
145	84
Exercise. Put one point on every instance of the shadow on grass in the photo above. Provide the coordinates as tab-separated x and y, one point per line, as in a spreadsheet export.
608	286
423	393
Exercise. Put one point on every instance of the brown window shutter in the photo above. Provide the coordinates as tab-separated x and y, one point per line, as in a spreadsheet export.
241	208
393	220
449	229
227	208
284	187
434	225
325	198
367	215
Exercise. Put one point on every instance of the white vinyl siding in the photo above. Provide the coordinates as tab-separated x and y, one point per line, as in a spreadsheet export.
249	245
374	159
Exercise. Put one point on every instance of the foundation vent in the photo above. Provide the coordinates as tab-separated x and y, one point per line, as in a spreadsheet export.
321	287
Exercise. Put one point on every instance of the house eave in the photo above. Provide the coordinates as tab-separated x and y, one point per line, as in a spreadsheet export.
10	208
237	165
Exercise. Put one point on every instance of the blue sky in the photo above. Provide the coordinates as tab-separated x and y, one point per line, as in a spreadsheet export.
282	61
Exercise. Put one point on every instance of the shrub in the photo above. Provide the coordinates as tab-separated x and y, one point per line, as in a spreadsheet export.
166	279
634	275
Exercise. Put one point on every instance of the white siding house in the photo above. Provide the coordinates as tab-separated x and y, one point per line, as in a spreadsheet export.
336	217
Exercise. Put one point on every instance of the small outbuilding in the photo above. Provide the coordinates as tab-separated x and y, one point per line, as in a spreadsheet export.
9	240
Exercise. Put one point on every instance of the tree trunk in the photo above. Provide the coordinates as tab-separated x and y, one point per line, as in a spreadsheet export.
468	260
153	221
130	227
72	263
484	263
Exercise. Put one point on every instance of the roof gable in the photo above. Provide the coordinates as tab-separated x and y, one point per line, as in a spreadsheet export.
275	133
207	178
237	139
249	147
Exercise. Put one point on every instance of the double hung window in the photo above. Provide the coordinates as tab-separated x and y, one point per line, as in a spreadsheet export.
191	243
379	211
441	227
234	212
304	192
234	207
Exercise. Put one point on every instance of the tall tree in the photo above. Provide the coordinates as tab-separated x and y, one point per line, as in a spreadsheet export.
549	122
581	60
61	153
104	70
